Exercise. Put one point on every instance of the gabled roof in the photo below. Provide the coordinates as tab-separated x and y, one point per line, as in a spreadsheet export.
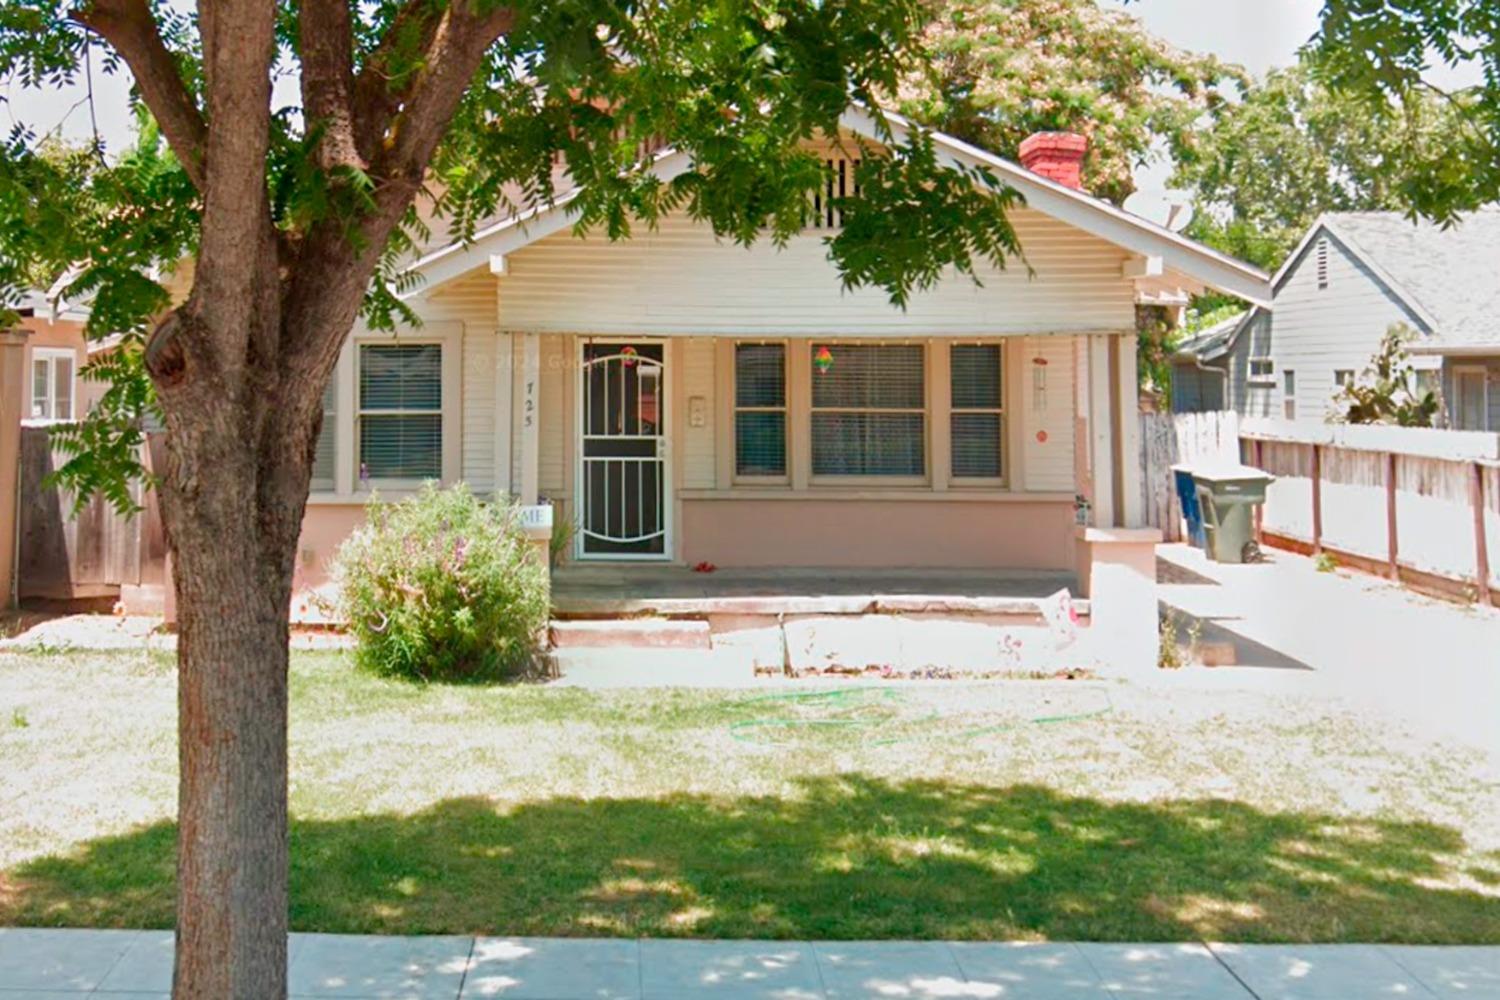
1215	341
1448	278
1170	251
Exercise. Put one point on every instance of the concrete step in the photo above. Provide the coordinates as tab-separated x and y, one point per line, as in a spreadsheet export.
628	633
643	667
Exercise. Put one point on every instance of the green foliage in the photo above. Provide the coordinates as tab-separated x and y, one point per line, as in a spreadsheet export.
1387	391
1000	70
443	587
595	86
1325	563
1380	53
1264	169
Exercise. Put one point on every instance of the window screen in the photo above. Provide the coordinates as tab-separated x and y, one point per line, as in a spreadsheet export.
760	409
868	414
323	457
400	411
977	423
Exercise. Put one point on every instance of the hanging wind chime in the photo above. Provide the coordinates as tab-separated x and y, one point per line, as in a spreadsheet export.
823	360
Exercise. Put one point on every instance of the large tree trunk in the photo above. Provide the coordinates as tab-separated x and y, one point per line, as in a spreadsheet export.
239	448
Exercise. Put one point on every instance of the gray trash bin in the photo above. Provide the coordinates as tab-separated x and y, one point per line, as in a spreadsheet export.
1227	496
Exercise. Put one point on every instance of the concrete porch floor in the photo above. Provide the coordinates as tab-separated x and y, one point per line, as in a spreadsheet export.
596	589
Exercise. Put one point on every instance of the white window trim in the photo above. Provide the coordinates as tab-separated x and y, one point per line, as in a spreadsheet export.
1003	411
1484	404
347	486
1266	378
52	355
816	479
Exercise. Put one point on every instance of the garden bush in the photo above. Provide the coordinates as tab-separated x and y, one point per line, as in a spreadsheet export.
442	587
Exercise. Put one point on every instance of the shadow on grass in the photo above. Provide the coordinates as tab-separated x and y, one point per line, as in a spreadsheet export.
852	857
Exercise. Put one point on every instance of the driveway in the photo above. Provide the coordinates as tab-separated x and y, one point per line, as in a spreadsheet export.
1431	665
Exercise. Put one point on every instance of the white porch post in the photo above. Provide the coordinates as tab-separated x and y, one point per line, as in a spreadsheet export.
527	397
1132	512
1116	556
1101	431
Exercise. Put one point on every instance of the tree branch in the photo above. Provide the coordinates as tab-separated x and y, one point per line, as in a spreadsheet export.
459	41
129	27
327	43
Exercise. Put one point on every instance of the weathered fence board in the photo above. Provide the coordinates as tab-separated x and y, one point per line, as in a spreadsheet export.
1400	498
66	555
1171	438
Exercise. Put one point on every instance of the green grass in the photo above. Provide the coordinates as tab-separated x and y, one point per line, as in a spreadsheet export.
910	812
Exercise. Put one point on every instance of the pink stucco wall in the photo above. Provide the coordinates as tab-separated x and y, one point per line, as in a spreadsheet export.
323	528
1016	534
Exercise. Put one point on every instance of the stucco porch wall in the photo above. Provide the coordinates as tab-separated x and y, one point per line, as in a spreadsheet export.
927	533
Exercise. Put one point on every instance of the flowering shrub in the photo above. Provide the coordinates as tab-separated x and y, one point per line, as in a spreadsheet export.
442	586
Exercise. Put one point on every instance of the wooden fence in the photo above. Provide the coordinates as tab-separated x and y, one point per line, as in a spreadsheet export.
91	553
1421	506
1170	438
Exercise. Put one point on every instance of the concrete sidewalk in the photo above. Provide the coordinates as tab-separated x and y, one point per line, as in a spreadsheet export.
1429	664
57	964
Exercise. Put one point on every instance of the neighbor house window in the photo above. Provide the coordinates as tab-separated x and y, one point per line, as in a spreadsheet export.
323	454
1289	395
1343	378
52	383
977	420
868	410
760	409
400	431
1261	369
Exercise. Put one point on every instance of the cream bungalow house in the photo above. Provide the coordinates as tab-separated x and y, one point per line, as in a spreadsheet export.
684	400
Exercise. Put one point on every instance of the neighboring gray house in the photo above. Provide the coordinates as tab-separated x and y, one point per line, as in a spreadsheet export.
1352	277
1211	370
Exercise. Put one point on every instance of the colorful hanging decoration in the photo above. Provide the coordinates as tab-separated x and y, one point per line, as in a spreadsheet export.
629	354
823	360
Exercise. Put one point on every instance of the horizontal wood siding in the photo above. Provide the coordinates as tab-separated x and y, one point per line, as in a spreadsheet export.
1321	330
472	302
1047	465
696	356
679	279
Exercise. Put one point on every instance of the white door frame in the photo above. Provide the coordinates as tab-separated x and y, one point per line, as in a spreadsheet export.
1484	396
664	453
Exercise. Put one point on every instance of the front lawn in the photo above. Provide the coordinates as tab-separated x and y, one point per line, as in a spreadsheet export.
910	811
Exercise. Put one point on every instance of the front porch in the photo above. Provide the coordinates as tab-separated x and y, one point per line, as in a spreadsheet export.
602	590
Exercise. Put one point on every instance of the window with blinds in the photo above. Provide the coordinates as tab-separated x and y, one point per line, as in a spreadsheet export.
323	452
760	409
977	418
400	411
868	410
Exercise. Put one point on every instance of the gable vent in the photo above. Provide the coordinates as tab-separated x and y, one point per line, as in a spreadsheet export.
1322	252
838	183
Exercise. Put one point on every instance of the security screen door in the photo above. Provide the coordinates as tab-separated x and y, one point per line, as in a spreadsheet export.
623	474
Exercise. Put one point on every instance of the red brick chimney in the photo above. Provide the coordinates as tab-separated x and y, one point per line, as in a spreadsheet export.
1057	156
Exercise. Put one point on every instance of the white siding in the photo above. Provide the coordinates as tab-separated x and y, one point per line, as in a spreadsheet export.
1321	330
472	302
681	280
696	356
553	423
1047	465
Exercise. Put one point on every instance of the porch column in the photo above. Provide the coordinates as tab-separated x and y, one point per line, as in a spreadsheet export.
12	390
527	398
1101	430
1131	512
